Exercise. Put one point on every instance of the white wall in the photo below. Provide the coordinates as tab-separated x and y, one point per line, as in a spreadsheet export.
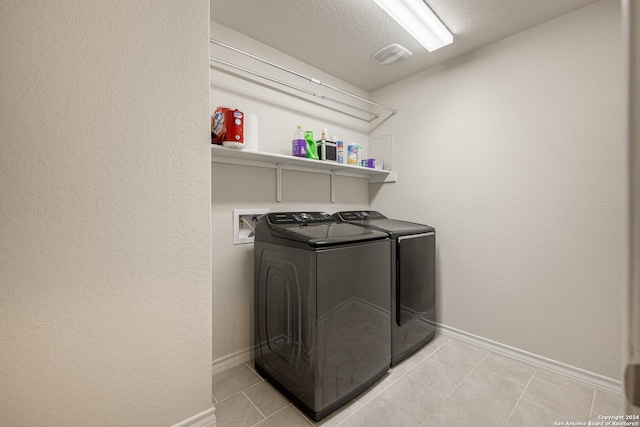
514	153
279	111
105	264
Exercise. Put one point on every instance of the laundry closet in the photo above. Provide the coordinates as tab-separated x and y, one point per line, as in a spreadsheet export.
511	151
127	275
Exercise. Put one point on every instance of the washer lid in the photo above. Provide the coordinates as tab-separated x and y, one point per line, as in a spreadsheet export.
318	229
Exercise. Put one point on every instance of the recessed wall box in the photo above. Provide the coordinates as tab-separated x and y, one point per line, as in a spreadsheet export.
244	223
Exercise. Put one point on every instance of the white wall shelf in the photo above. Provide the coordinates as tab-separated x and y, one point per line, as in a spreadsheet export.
279	162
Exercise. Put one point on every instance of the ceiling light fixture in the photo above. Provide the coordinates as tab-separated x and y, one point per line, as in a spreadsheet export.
419	21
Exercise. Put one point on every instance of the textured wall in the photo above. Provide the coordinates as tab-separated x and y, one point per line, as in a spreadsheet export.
280	109
233	264
104	200
514	154
248	187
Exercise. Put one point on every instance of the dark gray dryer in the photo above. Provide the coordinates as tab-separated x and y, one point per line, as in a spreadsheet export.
413	278
322	312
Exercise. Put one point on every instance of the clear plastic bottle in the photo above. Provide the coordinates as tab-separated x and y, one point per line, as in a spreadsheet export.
299	144
322	147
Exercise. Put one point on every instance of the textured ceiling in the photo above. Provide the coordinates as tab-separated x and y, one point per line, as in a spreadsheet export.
339	36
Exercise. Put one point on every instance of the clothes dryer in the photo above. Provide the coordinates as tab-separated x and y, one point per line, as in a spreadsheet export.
413	278
322	311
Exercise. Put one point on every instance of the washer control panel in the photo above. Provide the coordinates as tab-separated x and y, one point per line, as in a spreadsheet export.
299	217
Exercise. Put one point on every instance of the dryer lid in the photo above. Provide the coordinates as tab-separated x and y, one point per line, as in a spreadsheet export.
377	221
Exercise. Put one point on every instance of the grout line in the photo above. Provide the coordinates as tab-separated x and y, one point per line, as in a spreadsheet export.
520	398
229	397
406	372
420	380
566	389
346	420
354	403
375	395
301	414
574	373
447	340
467	376
477	367
252	369
434	352
254	405
507	378
279	410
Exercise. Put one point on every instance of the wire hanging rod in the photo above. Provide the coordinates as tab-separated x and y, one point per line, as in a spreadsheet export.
297	74
289	85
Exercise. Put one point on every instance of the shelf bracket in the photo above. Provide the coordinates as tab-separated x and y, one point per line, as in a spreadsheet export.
333	186
279	182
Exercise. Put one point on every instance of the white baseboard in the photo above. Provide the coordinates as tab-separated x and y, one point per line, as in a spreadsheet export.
206	418
595	380
231	360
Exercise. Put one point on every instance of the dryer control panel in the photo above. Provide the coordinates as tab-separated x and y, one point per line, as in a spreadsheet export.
300	218
360	215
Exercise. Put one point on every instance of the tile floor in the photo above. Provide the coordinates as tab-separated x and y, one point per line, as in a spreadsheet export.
447	383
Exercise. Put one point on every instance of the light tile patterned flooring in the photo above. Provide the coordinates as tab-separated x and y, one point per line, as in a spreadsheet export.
447	383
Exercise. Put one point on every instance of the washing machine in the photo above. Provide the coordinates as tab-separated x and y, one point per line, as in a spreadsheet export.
321	308
413	279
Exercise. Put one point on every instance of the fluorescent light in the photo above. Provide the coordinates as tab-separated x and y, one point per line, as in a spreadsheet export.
419	21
